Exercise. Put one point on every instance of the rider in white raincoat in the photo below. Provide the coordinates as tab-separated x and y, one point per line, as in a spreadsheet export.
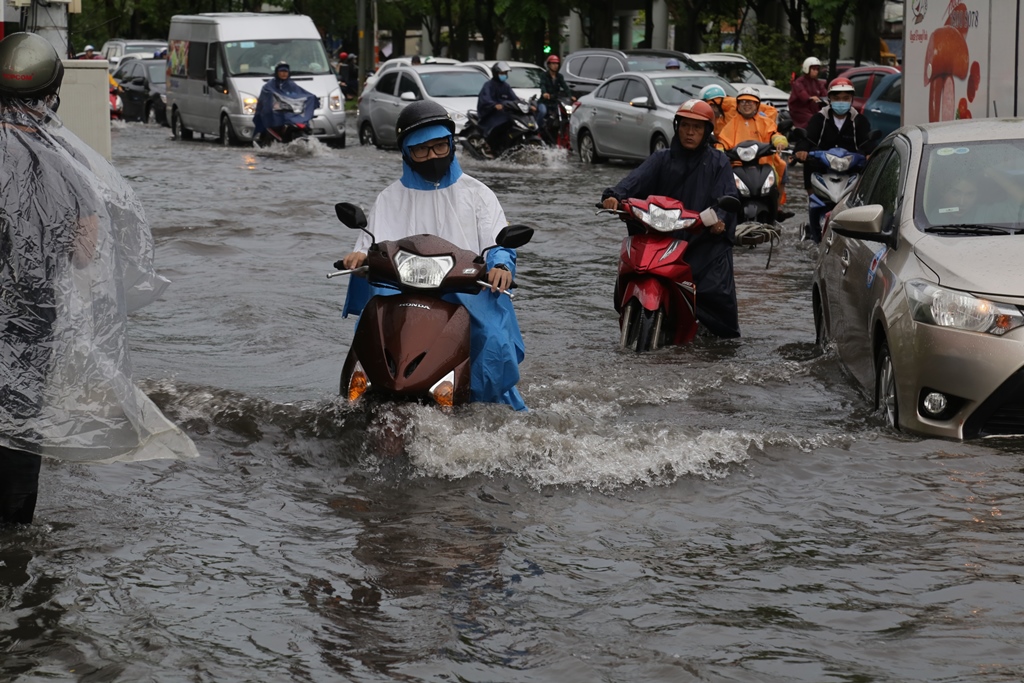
76	256
435	197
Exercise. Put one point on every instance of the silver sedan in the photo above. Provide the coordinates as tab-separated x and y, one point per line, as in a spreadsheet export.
919	285
629	116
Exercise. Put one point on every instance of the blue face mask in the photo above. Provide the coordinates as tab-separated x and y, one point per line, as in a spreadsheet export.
502	77
841	108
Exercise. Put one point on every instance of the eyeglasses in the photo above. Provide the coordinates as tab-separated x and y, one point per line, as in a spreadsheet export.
421	152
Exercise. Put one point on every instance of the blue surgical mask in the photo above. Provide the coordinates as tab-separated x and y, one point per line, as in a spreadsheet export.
841	108
502	77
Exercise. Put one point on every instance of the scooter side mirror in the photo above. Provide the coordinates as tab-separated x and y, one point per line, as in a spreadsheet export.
514	236
729	203
350	215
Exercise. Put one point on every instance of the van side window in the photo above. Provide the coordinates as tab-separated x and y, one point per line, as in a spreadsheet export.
217	62
197	61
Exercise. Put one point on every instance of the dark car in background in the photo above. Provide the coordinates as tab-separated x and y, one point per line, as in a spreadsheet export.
883	107
143	85
584	70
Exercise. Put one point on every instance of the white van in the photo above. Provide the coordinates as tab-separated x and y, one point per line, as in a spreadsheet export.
218	63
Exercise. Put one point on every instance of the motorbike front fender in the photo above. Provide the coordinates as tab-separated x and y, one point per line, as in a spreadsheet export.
652	293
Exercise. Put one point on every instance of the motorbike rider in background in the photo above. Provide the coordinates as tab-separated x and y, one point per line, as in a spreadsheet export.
807	93
267	119
552	87
752	123
495	119
838	125
435	197
697	174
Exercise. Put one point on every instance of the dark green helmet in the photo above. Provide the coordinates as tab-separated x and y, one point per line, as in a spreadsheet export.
29	67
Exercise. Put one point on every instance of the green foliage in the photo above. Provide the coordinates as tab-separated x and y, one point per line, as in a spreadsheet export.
775	54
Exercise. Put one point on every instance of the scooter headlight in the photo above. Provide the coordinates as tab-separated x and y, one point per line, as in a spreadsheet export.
662	220
741	186
768	183
746	153
838	164
422	271
936	305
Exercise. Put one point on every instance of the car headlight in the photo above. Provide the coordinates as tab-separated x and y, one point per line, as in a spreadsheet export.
457	115
746	153
422	271
768	182
838	164
936	305
741	186
335	101
248	103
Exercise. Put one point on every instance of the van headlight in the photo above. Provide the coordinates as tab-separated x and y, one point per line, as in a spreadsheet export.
334	101
936	305
248	103
422	271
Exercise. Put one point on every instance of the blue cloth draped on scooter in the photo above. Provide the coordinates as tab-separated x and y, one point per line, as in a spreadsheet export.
267	116
496	344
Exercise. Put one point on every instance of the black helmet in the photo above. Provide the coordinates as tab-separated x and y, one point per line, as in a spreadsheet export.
420	115
29	67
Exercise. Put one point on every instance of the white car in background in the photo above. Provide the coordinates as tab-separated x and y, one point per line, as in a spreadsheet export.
396	62
524	77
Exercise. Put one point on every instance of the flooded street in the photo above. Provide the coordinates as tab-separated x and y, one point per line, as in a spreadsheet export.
730	511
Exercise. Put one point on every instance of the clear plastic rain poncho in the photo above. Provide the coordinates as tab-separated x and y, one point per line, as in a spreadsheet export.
76	256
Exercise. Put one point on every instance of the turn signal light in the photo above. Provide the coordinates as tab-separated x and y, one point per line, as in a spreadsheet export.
358	384
444	394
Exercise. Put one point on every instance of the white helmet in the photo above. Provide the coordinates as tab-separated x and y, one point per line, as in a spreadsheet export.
748	93
809	62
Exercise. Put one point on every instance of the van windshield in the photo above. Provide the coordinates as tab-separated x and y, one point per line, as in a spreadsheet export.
258	57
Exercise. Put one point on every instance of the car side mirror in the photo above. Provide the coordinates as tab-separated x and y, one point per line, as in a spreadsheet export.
644	102
408	96
139	80
771	82
514	236
861	223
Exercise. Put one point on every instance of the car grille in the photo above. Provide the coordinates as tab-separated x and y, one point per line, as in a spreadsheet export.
1002	413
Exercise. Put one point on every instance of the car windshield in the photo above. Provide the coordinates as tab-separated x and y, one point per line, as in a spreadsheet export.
258	57
736	72
453	83
675	90
525	77
157	73
975	183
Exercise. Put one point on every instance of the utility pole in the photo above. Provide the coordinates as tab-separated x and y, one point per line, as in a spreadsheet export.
363	55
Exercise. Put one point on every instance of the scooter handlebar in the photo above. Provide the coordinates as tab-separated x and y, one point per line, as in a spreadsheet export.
360	269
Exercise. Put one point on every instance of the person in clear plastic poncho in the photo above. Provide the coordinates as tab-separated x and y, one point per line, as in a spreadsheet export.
76	256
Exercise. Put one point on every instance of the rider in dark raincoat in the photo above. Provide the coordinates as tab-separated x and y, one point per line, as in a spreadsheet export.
274	107
696	174
491	105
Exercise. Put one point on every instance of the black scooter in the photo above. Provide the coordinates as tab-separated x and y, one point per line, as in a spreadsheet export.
521	132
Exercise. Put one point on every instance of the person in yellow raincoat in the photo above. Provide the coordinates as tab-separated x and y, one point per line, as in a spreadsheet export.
751	123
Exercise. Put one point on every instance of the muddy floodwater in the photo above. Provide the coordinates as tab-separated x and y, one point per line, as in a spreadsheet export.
731	511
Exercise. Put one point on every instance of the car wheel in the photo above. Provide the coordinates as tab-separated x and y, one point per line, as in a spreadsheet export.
366	135
227	133
178	131
820	335
588	151
658	143
885	387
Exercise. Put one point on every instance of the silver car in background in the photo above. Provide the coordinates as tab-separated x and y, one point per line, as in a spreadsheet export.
454	87
629	116
919	284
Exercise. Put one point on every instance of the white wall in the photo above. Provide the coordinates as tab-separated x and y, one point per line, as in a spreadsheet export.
85	102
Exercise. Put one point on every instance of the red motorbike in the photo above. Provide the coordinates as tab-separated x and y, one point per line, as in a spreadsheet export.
414	345
655	294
